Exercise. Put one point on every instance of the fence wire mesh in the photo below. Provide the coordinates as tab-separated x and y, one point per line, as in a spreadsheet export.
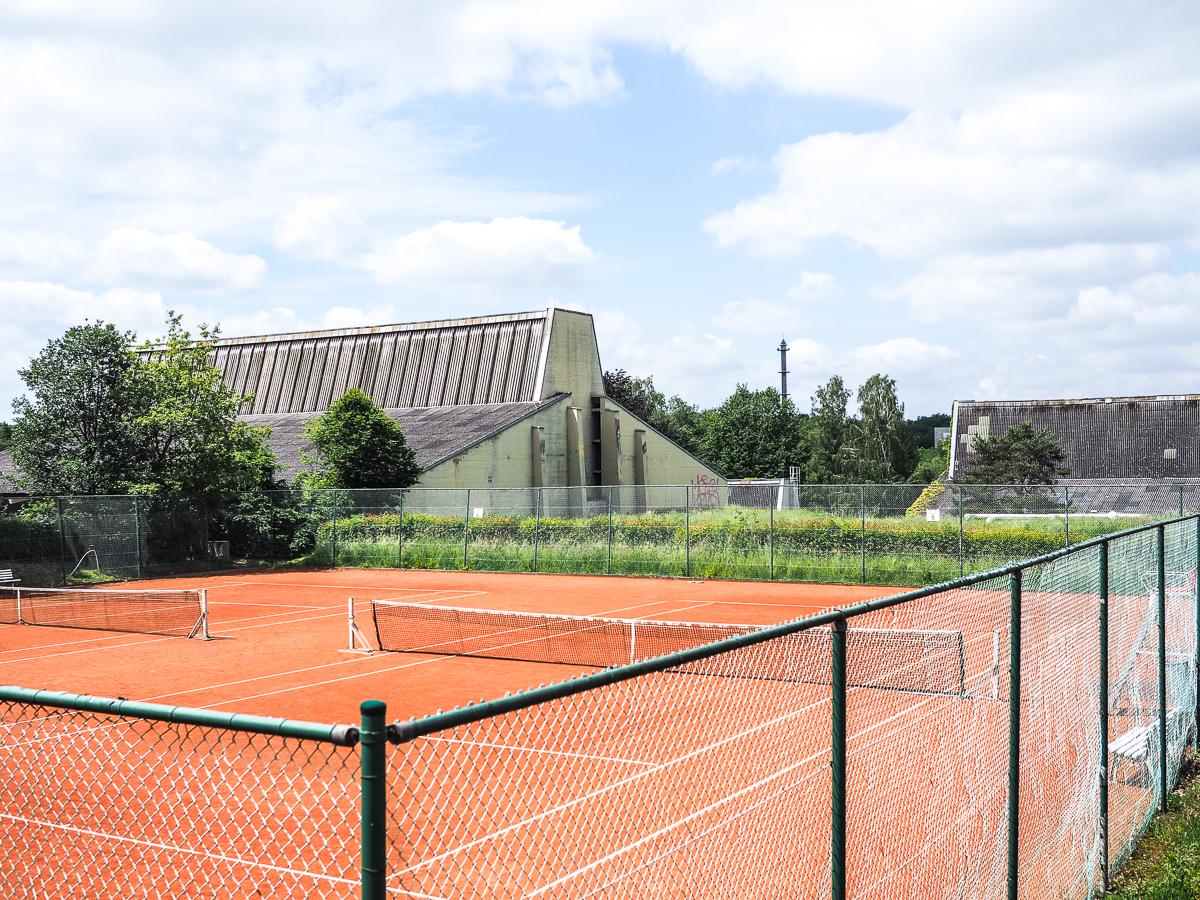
701	773
95	805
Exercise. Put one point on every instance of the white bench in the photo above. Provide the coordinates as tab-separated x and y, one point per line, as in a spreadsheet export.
1137	744
6	577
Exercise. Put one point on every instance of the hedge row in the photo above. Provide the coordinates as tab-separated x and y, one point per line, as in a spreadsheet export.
1011	540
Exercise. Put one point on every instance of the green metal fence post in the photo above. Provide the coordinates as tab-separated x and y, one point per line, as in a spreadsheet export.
862	494
333	539
961	513
1104	715
466	527
1014	732
837	761
537	524
771	542
687	531
1066	517
1181	500
372	739
608	565
1196	723
1161	554
400	536
62	540
137	534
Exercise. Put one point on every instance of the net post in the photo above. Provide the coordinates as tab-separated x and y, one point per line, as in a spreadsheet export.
20	618
1161	562
862	492
1014	733
837	761
687	531
350	623
1104	715
204	615
466	528
372	738
537	523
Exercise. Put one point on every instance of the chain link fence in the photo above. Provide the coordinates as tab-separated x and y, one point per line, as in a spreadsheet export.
1019	749
879	534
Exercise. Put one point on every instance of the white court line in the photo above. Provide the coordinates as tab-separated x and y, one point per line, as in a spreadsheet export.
190	851
212	603
673	761
519	749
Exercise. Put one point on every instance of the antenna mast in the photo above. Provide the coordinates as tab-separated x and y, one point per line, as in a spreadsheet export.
783	371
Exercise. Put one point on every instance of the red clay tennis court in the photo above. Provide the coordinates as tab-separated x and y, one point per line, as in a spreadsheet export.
710	778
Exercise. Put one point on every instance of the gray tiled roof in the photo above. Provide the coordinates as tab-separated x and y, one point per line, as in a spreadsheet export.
436	433
1104	438
484	360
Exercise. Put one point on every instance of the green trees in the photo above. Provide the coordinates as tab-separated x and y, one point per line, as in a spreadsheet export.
828	426
753	435
1021	455
884	451
360	446
100	419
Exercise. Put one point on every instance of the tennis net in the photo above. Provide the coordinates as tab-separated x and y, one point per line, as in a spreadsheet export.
897	659
168	612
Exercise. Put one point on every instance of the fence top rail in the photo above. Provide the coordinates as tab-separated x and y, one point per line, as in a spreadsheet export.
401	732
341	735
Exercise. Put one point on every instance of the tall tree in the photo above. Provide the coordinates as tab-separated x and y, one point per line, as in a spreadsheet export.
638	395
192	440
827	428
361	446
920	429
753	435
1022	455
75	431
5	435
884	450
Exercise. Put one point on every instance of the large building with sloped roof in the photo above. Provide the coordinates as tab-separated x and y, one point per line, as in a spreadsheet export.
1127	439
496	401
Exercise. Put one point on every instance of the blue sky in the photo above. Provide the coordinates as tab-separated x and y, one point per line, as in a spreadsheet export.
992	200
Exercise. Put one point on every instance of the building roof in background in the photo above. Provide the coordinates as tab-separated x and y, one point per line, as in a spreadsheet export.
449	362
436	433
1104	438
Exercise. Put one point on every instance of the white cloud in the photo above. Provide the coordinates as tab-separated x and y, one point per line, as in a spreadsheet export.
177	260
324	228
727	164
502	252
900	356
813	286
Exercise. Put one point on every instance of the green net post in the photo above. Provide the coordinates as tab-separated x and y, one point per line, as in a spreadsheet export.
1161	560
1104	715
466	527
771	543
687	531
608	563
837	761
537	523
862	497
1014	732
372	739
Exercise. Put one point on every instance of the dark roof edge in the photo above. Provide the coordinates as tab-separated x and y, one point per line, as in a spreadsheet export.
537	406
1083	401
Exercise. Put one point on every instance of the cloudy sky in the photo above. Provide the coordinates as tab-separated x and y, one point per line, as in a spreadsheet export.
988	199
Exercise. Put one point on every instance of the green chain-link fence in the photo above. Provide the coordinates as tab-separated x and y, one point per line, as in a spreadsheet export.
880	534
820	757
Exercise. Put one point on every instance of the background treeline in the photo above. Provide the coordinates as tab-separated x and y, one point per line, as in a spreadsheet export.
752	434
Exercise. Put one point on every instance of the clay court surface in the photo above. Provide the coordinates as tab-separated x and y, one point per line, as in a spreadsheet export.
599	794
278	637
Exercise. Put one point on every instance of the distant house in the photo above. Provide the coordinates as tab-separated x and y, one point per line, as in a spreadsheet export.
1107	438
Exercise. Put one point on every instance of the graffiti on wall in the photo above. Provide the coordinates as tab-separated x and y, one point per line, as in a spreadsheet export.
705	492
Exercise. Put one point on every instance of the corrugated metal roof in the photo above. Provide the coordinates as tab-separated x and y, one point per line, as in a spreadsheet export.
1104	438
436	433
450	362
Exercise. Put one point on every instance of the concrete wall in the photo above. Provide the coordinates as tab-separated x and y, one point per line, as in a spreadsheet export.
663	461
573	365
506	460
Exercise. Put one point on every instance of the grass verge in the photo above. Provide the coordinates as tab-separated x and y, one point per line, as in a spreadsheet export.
1166	863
